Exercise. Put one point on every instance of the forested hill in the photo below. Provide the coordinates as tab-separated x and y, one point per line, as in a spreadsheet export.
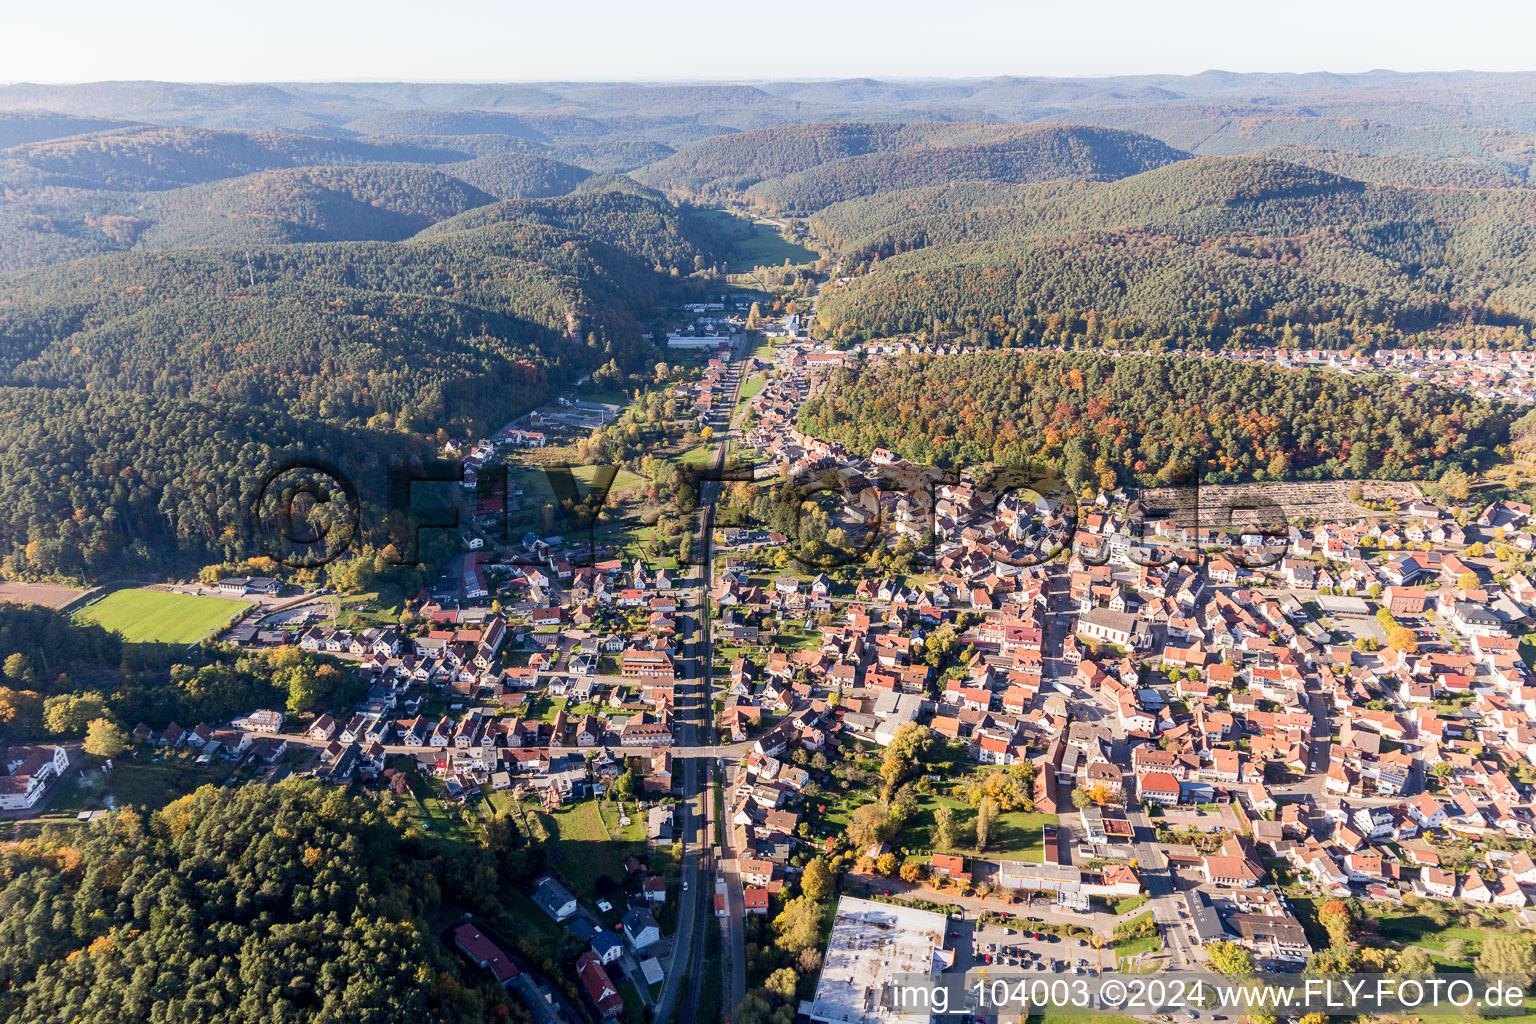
1036	153
153	187
1215	251
807	167
1138	418
519	175
1402	128
146	390
96	483
22	126
152	157
461	328
309	204
1399	170
242	905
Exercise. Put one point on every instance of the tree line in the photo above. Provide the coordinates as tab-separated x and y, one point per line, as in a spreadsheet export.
1149	420
256	905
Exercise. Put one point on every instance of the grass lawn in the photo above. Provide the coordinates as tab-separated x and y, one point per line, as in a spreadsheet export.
1126	905
667	861
1016	835
1130	947
634	832
1418	930
522	905
699	455
154	616
433	816
641	542
750	388
795	640
581	847
758	244
634	1009
141	781
380	607
623	482
496	803
544	707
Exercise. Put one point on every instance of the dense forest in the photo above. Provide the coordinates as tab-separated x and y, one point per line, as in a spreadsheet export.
186	307
806	167
1216	251
519	175
1140	419
149	157
255	905
146	389
18	127
96	482
1370	128
452	328
1398	170
1036	153
100	193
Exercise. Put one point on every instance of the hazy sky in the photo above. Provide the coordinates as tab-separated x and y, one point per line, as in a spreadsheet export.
484	40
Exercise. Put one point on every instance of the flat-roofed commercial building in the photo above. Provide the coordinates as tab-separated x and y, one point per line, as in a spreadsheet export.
871	944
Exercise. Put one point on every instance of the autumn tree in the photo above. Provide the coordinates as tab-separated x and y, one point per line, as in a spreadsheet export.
1455	484
798	925
1229	958
944	828
782	982
1335	916
69	714
1414	960
816	881
906	751
869	825
984	818
1401	638
1503	953
105	738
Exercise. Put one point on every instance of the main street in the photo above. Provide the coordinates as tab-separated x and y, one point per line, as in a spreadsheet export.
694	711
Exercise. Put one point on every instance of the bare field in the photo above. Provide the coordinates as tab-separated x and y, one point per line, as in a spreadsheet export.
38	593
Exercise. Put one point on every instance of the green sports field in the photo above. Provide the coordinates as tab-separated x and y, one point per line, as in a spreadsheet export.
154	616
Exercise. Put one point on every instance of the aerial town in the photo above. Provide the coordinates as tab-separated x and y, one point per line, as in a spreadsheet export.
1089	721
770	548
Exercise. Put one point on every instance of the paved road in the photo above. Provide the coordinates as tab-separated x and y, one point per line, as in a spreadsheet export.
1161	885
695	733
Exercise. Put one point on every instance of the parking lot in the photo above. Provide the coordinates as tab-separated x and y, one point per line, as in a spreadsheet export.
1014	948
